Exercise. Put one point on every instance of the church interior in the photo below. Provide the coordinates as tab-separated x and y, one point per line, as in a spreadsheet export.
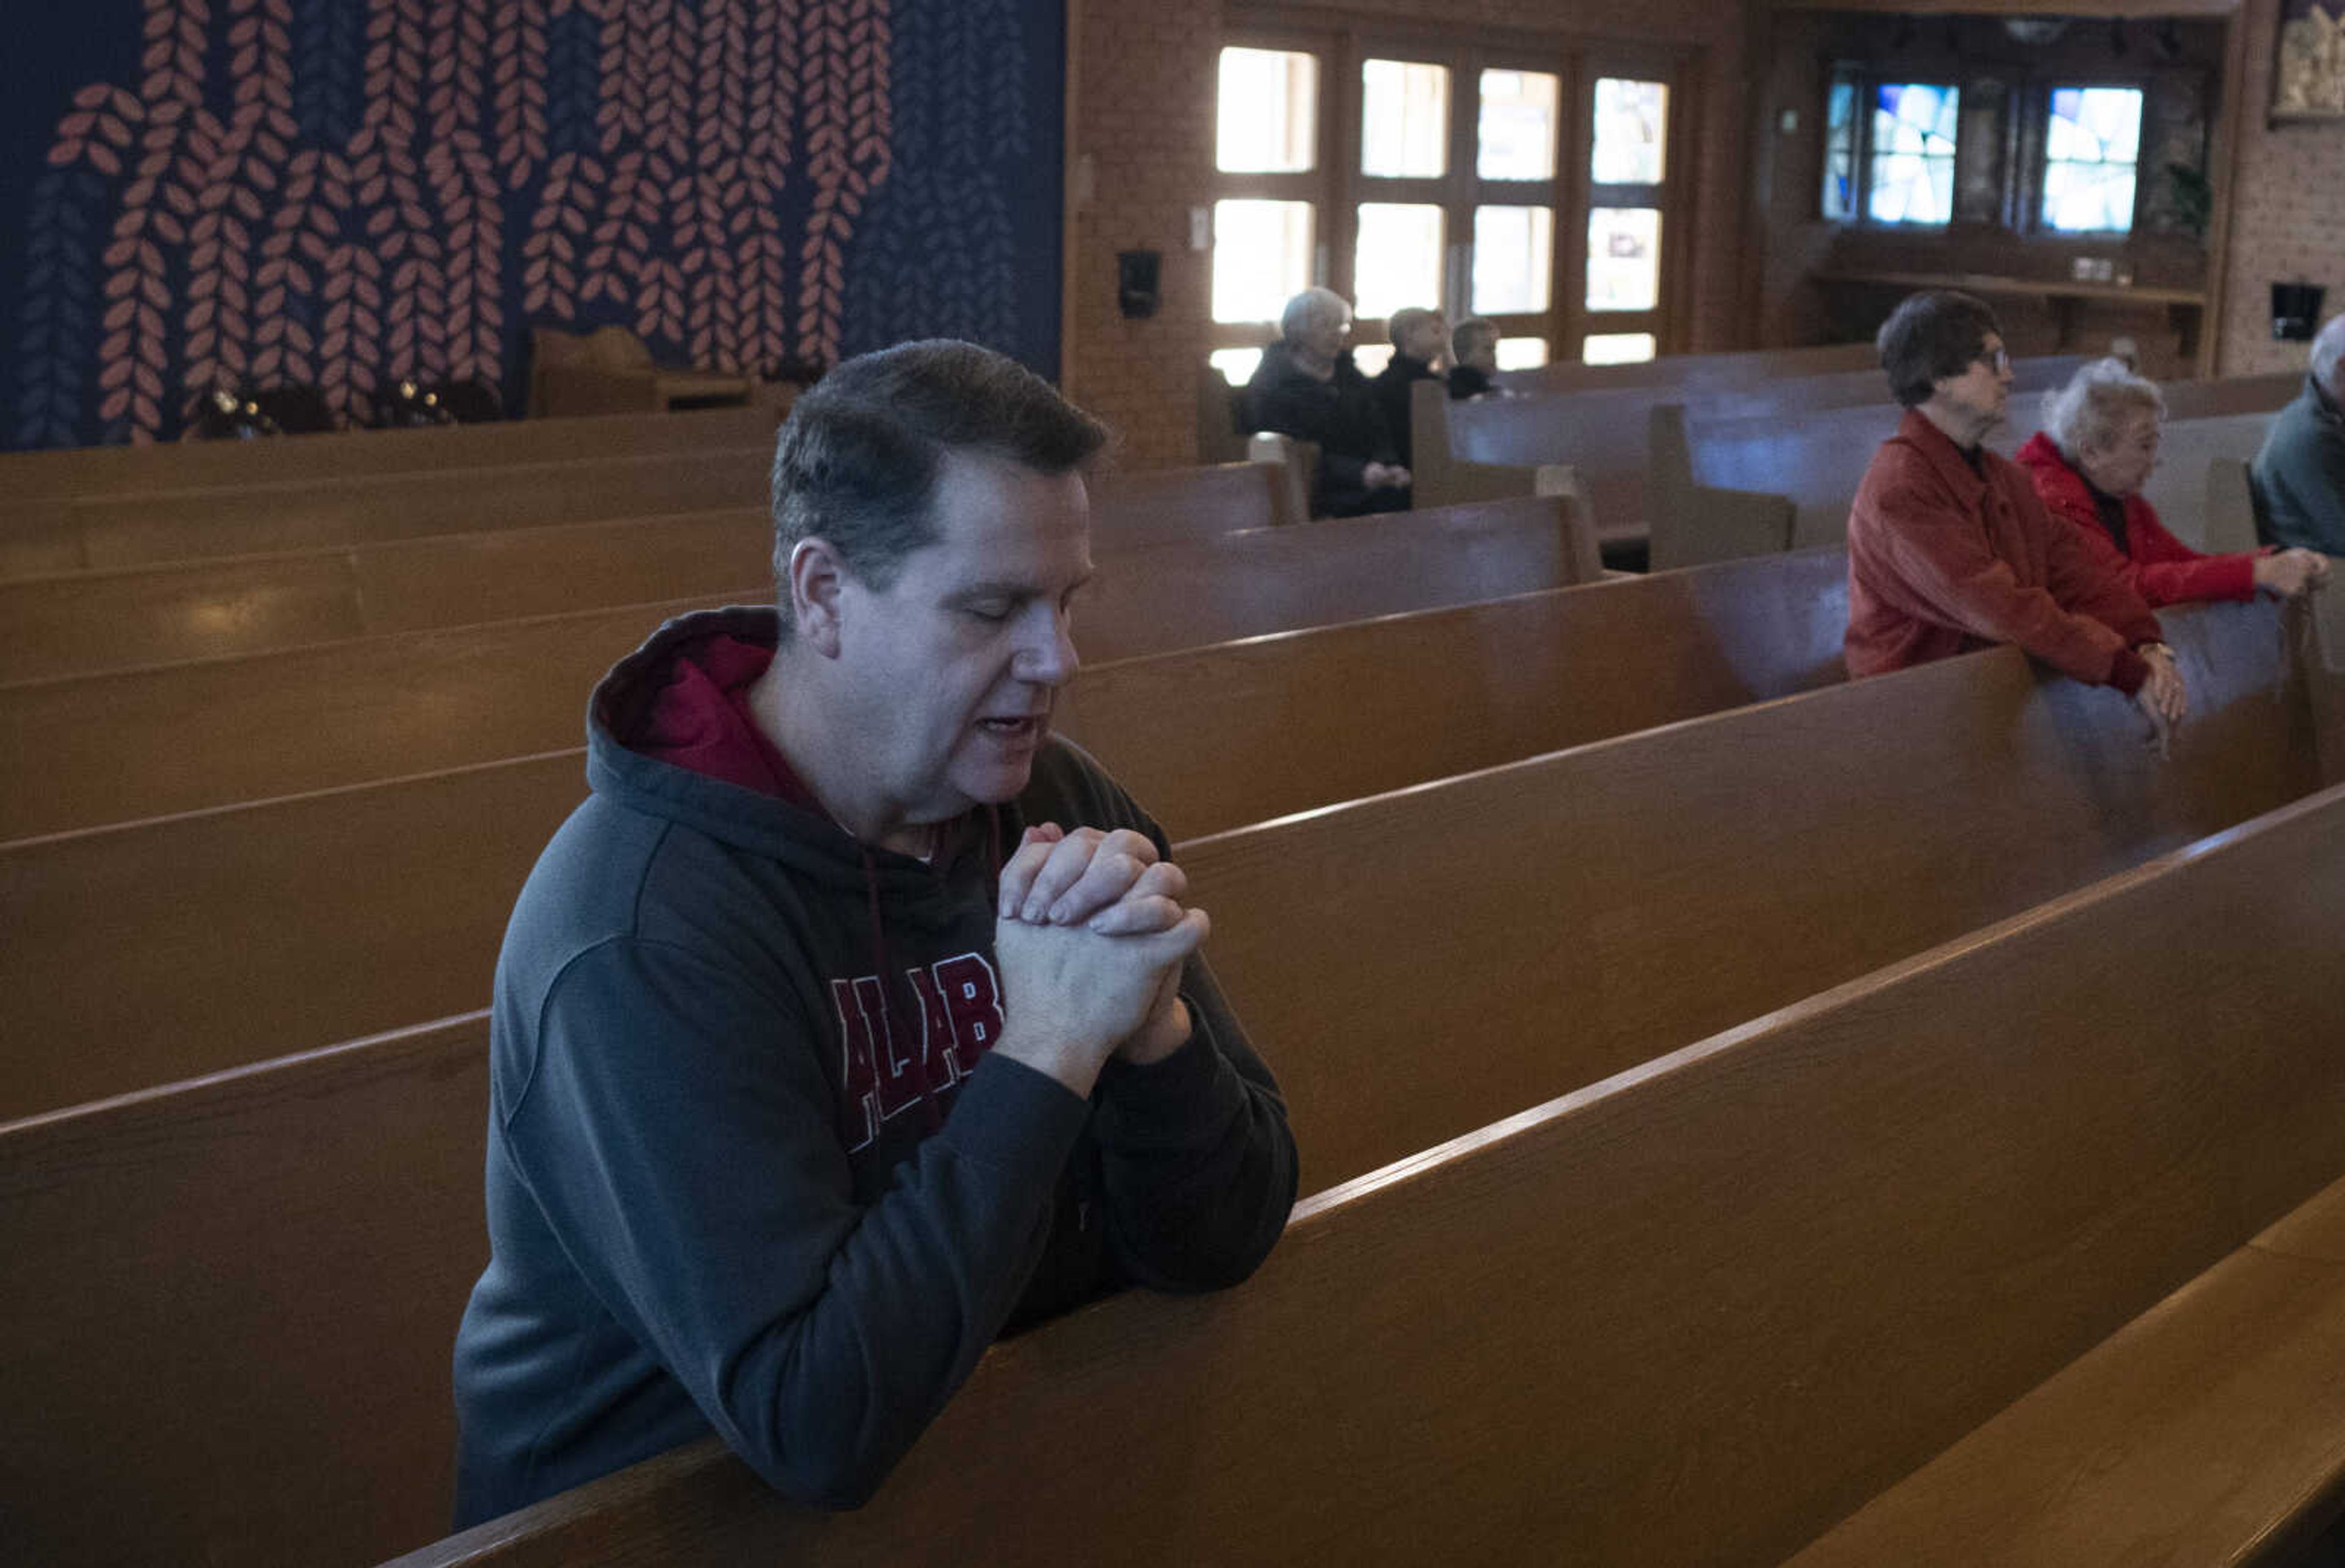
1753	1106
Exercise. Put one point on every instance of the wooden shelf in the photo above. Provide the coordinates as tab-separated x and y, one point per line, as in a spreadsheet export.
2185	308
2031	288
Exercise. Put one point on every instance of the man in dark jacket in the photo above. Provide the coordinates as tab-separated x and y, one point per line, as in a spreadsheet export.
853	1019
2299	474
1307	387
1420	340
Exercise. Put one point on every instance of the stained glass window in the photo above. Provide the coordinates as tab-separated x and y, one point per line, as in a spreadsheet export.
2092	140
1840	151
1912	172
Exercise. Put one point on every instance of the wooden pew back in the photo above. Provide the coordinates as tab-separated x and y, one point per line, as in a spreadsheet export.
1738	369
1371	1012
1709	872
1173	506
1607	436
1696	1313
231	1306
88	472
2218	396
87	622
1818	459
1242	732
92	622
267	943
2179	488
193	525
147	743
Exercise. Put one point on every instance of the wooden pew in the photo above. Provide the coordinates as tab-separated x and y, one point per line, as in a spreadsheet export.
1607	436
116	747
1740	367
86	623
280	1257
194	525
295	922
2182	486
1725	1296
92	622
1703	460
2211	1429
1921	773
87	472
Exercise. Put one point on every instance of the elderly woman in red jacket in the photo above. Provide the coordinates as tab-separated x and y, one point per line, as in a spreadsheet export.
2098	446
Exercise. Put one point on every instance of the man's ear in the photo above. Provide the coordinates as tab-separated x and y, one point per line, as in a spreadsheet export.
816	577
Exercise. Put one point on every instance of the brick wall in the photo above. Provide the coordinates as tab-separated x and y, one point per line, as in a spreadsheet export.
1144	85
1144	81
2288	213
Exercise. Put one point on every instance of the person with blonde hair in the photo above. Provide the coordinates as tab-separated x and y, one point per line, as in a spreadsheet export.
2096	449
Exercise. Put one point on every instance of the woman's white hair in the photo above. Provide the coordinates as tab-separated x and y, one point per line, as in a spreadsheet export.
1312	304
2328	354
2089	411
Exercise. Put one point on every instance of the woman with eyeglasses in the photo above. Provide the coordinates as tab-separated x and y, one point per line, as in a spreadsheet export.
1949	548
2097	448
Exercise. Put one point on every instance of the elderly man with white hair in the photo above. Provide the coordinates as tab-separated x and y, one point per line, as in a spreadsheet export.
1307	387
2097	449
2300	475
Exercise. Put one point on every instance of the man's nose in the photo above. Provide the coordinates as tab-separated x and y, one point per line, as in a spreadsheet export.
1048	657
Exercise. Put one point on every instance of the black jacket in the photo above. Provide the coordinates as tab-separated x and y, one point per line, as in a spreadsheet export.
752	1167
1391	388
1338	416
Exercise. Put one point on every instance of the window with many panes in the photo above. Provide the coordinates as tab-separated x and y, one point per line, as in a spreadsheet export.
2092	143
1273	191
1458	181
1889	151
1627	165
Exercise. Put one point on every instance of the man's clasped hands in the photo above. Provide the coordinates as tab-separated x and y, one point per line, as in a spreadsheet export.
1090	935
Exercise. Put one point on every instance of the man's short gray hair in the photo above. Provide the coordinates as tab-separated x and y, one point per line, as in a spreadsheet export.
1311	305
2328	355
2091	409
857	460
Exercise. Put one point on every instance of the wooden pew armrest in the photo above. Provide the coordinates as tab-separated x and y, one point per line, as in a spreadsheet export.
1458	480
1718	524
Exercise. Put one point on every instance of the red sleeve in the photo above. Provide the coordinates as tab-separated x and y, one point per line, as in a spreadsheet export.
2164	571
2084	583
1939	552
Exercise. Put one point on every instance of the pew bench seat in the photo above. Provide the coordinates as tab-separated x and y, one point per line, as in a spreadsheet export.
2208	1429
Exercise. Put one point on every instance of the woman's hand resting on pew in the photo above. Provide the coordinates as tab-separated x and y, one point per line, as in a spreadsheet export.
2163	696
1091	936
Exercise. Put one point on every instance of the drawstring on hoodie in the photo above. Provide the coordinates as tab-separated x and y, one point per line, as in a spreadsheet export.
930	1114
928	1086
